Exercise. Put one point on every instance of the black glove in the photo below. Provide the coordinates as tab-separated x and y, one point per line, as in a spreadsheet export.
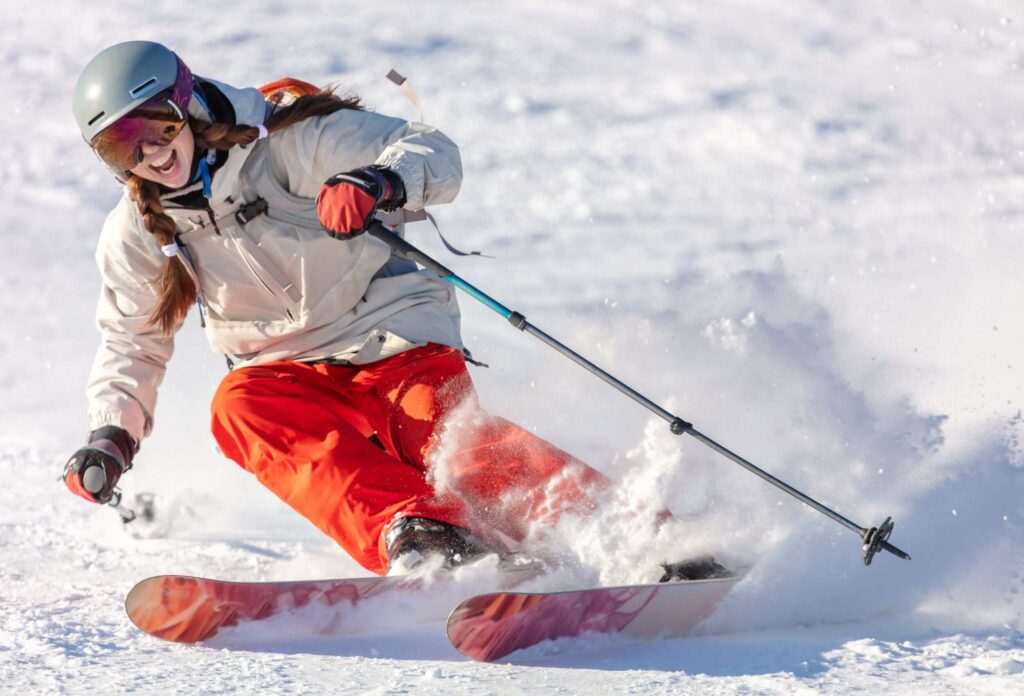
93	471
347	202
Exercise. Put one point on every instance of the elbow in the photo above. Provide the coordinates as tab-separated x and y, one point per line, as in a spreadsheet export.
443	178
444	191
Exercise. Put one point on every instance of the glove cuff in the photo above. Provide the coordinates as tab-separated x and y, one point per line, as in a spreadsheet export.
395	197
119	439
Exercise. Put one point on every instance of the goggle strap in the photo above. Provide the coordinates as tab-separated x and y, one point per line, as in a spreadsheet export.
197	107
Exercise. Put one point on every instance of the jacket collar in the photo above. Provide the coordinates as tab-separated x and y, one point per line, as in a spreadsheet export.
249	107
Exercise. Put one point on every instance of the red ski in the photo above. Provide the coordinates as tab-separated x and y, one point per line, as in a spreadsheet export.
188	610
486	627
490	626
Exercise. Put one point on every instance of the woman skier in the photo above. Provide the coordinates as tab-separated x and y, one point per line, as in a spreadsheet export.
345	360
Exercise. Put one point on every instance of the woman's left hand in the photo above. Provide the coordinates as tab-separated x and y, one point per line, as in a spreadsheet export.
347	202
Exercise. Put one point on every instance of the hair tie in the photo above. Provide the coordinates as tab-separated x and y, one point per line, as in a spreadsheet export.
263	132
171	249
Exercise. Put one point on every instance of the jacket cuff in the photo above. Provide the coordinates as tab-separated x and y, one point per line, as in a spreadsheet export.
135	426
121	439
411	173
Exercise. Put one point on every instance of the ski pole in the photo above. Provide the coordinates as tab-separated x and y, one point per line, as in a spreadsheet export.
874	539
143	510
117	503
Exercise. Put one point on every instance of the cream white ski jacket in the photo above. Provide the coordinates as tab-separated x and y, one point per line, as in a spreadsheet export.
276	287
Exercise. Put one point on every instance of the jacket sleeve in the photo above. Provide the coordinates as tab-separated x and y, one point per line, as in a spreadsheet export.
132	357
309	152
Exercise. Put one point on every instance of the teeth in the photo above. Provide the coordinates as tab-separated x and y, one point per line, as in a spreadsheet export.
161	165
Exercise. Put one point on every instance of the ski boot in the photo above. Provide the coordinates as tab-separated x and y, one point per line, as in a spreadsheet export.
699	568
412	540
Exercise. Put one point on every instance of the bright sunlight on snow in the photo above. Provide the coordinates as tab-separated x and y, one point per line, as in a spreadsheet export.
797	225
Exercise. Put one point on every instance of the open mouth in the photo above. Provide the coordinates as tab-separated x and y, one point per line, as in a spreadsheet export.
167	165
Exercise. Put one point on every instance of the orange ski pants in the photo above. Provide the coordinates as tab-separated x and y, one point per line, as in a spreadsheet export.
303	429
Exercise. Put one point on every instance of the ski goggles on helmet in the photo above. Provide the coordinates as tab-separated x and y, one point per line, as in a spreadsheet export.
157	122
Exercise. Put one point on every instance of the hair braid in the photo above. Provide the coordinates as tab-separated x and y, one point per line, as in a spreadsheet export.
176	287
177	290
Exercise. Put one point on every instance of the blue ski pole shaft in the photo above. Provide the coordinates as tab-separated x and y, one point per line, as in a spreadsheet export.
678	425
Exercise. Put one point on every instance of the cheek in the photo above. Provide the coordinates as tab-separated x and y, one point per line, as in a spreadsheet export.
140	169
185	158
185	154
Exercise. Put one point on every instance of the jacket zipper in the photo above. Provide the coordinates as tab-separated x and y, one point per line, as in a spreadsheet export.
248	264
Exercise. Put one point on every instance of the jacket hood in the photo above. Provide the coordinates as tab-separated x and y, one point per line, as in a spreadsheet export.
251	108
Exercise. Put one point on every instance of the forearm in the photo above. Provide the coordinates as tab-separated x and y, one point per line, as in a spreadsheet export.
312	151
428	163
129	366
122	390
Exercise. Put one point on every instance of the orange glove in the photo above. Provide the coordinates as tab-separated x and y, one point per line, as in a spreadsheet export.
347	202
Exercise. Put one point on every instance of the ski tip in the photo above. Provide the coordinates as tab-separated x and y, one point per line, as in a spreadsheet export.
471	625
174	608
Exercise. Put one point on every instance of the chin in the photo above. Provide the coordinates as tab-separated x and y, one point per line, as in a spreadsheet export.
178	181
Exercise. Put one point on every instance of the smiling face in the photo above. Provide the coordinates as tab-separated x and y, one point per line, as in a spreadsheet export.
168	165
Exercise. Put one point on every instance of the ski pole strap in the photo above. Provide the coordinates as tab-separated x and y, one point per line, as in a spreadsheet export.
447	245
406	250
394	218
403	83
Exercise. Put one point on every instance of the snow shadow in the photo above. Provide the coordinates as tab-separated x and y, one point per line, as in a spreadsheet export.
417	642
803	653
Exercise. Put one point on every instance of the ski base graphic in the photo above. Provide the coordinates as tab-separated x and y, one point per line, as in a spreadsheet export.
186	609
488	627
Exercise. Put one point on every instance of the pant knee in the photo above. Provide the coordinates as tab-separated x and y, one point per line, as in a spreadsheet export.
240	406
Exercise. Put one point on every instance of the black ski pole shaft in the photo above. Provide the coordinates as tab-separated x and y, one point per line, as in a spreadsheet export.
875	538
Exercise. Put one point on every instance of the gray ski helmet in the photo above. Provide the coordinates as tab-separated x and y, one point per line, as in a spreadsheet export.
119	79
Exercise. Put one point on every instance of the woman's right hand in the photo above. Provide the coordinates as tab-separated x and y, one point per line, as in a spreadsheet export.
93	471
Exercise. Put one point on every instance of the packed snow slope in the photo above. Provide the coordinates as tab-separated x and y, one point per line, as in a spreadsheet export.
798	225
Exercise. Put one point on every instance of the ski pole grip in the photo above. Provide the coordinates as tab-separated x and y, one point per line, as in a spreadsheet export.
94	479
405	250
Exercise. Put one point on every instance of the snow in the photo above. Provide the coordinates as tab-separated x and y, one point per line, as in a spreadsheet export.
795	224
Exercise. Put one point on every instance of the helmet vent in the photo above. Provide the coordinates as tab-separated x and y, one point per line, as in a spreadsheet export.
143	87
97	117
